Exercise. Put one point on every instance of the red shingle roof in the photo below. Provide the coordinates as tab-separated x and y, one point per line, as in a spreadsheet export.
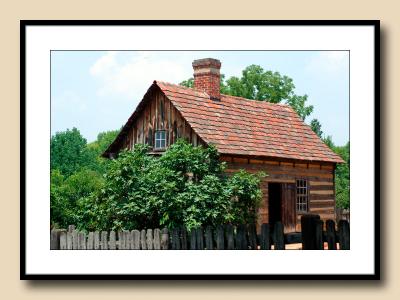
246	127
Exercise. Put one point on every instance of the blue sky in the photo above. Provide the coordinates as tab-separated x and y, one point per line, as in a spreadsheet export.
97	91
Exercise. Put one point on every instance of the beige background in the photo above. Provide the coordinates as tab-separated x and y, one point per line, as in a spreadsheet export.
10	14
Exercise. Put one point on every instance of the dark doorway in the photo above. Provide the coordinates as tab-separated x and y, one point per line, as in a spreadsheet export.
274	203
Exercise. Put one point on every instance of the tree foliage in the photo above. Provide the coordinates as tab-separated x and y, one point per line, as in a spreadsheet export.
186	186
342	173
316	127
258	84
76	172
68	152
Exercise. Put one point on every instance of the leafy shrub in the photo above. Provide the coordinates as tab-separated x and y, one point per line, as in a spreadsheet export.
185	186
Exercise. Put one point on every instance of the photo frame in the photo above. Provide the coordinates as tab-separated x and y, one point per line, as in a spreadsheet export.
360	38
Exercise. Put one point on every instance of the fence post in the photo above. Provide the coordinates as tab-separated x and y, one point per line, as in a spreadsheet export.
252	236
279	237
230	240
319	240
330	234
164	239
308	231
209	238
220	237
265	243
344	235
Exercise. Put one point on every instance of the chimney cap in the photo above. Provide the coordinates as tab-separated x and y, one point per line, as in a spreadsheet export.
206	62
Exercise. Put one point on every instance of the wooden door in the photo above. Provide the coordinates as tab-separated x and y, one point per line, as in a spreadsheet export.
288	200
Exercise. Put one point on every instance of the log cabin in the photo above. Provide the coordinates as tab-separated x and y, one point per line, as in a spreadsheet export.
248	134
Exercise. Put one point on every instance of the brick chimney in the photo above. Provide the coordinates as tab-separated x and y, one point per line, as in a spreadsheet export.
207	76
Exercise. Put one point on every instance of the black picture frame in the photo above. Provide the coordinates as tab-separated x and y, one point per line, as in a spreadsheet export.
23	29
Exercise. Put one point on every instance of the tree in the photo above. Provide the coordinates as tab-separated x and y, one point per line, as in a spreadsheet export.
316	127
96	149
68	152
342	173
65	192
184	187
257	84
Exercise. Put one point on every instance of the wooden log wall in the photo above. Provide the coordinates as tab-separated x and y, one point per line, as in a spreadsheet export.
320	180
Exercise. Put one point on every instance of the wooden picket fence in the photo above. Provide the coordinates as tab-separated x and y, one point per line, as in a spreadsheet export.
223	237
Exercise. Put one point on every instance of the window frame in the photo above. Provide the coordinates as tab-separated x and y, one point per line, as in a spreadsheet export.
306	194
160	140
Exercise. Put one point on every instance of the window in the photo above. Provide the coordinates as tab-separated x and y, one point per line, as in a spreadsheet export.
301	195
160	139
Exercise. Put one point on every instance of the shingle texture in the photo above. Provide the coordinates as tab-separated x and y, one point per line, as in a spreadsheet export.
239	126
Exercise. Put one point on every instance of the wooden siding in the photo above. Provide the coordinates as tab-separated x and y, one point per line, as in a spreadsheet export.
320	179
159	114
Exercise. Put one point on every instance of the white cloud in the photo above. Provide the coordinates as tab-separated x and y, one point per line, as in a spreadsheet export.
130	74
328	61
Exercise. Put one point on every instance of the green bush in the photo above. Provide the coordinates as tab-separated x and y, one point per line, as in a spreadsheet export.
184	187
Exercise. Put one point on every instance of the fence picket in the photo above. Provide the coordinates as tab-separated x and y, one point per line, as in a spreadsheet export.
104	240
265	242
308	231
319	241
135	239
113	242
209	238
330	234
143	243
252	236
75	240
156	239
164	239
90	241
69	240
230	240
344	235
149	239
183	237
193	245
199	238
54	240
175	241
220	238
96	240
279	237
63	240
244	237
